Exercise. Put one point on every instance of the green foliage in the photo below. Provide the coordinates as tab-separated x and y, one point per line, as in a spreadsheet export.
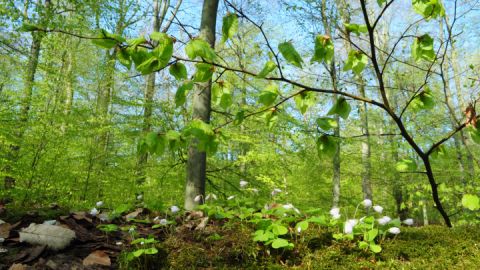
381	2
107	40
203	72
269	94
164	49
471	202
422	48
222	94
474	133
181	94
341	108
200	48
28	27
423	100
324	49
356	28
267	68
356	62
406	165
326	123
304	101
108	227
229	26
326	146
290	54
178	70
204	133
429	9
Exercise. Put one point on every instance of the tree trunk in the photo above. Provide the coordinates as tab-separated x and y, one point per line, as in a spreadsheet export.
197	160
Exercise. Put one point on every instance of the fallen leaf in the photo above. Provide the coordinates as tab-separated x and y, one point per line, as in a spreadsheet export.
471	116
97	257
33	253
18	266
134	214
203	223
5	230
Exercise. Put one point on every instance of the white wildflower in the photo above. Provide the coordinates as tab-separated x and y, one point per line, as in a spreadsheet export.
118	243
384	220
131	230
243	183
174	209
197	198
367	203
231	198
276	191
94	211
99	204
163	221
394	230
378	209
211	196
335	213
142	243
349	225
139	197
254	190
288	206
299	229
408	222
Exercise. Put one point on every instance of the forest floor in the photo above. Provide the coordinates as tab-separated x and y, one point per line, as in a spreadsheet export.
196	242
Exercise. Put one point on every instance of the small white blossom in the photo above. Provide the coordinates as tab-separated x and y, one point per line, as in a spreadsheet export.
198	198
174	209
142	243
163	221
131	230
335	213
288	206
255	190
378	209
140	197
231	197
211	196
243	183
367	203
348	227
276	191
299	229
94	211
384	220
99	204
157	218
408	222
394	230
118	243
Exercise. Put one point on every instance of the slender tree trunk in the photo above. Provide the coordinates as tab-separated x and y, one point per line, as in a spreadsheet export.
197	160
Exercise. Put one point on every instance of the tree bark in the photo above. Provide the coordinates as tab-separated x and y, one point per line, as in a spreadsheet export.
197	160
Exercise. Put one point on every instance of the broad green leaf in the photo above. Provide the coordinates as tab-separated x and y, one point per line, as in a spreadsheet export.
439	151
327	123
326	146
362	245
222	94
149	66
164	49
124	58
380	2
278	229
290	54
269	94
134	42
200	48
107	40
304	101
239	117
181	94
178	70
341	108
371	234
406	165
471	202
323	49
174	139
271	117
280	243
138	252
474	134
356	28
423	100
28	27
204	72
422	48
375	248
138	55
429	9
303	225
230	26
204	133
151	251
269	67
356	62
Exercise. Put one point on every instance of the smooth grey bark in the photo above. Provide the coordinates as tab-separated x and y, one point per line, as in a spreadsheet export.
197	160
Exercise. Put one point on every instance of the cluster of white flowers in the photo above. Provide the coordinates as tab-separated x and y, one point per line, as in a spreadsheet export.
408	222
378	209
243	183
349	225
276	191
384	220
210	196
174	209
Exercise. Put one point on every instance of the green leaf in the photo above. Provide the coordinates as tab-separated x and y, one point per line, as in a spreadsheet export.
471	202
474	134
138	55
181	94
406	165
380	2
356	28
178	70
164	49
439	151
200	48
107	40
303	225
278	229
356	61
423	100
149	66
28	27
134	42
139	252
271	117
323	49
304	100
267	68
230	26
269	94
341	108
375	248
204	133
222	94
151	251
362	245
370	235
326	123
124	58
422	48
204	72
239	117
279	243
429	9
326	146
290	54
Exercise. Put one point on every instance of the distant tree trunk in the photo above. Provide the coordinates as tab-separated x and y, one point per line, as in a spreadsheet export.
197	160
